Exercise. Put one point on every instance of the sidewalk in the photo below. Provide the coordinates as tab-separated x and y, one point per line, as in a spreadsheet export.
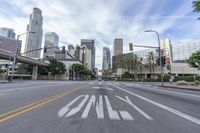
173	85
3	81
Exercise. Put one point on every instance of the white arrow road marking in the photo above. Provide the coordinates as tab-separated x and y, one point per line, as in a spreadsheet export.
103	88
112	113
99	108
127	100
65	109
181	114
91	83
87	109
78	108
125	115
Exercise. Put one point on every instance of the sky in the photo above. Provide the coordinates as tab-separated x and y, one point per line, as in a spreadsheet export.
104	20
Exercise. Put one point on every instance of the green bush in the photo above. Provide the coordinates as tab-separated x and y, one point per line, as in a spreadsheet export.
185	78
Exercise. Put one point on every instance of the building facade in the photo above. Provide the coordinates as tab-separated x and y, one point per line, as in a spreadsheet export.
71	49
51	40
9	44
106	64
182	51
90	44
7	32
34	40
118	46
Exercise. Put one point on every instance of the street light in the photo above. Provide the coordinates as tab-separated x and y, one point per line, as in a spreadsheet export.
16	52
159	53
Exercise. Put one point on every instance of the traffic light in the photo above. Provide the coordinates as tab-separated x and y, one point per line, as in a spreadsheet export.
163	61
158	61
45	49
130	46
63	49
6	65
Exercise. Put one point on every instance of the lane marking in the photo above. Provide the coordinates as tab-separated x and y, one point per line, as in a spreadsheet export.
126	116
22	110
91	83
89	105
102	88
78	108
99	108
169	91
65	109
181	114
100	83
112	113
127	100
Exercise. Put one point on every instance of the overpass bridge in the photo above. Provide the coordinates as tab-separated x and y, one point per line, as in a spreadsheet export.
9	55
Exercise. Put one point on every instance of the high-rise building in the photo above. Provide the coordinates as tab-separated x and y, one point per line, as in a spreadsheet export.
91	46
34	40
118	46
9	44
71	49
182	51
7	32
51	40
166	49
85	56
106	59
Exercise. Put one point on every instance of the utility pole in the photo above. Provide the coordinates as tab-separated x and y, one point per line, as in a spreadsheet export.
161	68
16	53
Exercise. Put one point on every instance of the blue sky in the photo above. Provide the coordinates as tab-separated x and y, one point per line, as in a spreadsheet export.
104	20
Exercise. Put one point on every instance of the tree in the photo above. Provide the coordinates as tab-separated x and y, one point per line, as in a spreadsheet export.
196	6
1	70
194	60
24	69
56	67
121	63
150	61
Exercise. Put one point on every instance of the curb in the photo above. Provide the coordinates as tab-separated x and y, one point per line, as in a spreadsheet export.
183	88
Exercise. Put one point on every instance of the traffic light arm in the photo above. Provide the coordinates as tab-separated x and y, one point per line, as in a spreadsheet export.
145	46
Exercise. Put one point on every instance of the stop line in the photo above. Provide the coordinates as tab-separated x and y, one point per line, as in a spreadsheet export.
97	103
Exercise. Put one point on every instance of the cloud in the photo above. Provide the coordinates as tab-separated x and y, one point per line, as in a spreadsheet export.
104	20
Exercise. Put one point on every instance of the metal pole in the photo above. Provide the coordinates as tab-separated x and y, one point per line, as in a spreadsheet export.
73	72
161	71
14	57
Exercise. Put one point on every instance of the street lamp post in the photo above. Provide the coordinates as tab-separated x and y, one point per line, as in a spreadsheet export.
16	52
161	73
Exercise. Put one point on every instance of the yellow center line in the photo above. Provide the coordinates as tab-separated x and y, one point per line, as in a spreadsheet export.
17	112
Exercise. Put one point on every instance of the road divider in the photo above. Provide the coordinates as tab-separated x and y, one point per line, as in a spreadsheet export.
27	108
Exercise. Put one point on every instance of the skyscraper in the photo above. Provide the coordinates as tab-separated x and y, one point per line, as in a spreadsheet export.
34	40
118	46
71	49
90	45
106	59
7	32
51	40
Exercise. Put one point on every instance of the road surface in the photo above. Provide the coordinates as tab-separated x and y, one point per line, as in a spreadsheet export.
96	107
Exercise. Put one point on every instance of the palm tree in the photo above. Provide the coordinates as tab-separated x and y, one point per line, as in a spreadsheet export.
196	6
120	63
151	62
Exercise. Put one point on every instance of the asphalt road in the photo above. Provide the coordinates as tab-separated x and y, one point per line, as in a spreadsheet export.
96	107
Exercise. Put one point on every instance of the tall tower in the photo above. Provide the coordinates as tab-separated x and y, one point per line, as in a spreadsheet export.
118	46
7	32
90	45
51	40
106	59
34	40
